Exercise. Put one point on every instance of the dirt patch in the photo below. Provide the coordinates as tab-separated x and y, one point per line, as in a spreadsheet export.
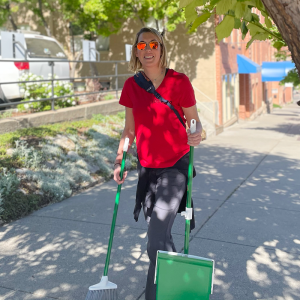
31	140
83	130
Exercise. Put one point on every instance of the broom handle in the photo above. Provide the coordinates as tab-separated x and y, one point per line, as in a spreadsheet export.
112	230
189	191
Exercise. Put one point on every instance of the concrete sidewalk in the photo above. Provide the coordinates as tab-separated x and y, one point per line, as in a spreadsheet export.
247	208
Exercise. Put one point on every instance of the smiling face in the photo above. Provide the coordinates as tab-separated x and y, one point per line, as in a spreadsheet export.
148	57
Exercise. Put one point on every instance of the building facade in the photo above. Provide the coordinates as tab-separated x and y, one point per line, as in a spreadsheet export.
224	91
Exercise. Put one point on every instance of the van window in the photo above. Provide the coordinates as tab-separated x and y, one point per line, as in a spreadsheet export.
44	48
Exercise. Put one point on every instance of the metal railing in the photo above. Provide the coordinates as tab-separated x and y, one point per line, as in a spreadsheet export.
210	108
53	79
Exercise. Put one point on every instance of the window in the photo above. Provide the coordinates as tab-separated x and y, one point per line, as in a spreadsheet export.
44	48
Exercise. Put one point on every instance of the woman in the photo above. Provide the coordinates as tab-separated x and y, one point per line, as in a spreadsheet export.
162	141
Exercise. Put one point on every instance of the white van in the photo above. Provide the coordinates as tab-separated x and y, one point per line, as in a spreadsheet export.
39	48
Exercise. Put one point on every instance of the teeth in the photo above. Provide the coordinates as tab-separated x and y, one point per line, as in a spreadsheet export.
149	56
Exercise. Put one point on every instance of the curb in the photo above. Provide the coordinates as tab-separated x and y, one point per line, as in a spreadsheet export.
80	112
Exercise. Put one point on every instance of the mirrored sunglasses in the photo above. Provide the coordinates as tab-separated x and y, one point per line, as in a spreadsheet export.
152	45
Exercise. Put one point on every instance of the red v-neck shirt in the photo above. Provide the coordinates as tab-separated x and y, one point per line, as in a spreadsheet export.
160	137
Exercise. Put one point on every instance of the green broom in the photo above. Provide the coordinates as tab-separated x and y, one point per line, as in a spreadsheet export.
106	290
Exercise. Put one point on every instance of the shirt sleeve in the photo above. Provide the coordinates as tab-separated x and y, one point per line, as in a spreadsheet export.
125	99
187	98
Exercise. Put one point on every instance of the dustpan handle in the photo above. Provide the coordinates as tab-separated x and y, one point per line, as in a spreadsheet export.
113	224
189	191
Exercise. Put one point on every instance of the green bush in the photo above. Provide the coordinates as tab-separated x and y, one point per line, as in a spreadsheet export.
9	184
41	90
52	175
18	205
109	97
5	114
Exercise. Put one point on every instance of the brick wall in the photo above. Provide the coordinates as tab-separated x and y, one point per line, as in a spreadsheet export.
254	94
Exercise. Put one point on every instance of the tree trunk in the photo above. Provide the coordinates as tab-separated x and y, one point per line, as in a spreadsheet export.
285	14
15	27
43	19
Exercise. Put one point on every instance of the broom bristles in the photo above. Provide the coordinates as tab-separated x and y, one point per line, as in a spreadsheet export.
102	295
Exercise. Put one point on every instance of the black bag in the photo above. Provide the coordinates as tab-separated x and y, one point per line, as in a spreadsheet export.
145	83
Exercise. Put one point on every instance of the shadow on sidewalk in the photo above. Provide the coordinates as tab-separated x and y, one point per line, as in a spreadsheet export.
254	237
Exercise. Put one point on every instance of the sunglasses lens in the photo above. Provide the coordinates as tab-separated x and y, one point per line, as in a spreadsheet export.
153	45
141	46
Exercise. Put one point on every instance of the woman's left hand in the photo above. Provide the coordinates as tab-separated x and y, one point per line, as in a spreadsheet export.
195	138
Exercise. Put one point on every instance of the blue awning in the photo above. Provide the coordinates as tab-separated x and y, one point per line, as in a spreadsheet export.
246	65
276	71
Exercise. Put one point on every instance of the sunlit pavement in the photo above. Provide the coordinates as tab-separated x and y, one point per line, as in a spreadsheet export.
247	208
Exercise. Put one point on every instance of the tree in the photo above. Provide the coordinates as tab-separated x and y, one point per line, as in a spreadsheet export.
36	6
291	77
6	10
283	31
108	16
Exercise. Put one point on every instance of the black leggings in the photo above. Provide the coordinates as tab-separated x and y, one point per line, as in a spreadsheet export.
169	190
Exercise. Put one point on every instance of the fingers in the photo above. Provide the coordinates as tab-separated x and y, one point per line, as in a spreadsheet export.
194	139
117	177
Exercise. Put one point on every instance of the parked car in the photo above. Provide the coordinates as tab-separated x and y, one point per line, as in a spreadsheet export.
39	48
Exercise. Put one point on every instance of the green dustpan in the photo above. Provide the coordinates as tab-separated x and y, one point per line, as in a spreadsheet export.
181	276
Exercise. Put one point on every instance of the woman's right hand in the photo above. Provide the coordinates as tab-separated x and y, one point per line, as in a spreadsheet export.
117	177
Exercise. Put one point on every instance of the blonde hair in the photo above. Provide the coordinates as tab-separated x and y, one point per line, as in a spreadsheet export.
135	64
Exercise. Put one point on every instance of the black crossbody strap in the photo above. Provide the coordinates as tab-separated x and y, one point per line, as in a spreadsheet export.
148	86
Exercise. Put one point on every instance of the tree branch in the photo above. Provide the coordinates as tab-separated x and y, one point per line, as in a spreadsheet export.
11	19
43	19
268	31
136	12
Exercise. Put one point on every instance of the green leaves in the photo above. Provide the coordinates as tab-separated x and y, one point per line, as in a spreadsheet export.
224	29
247	15
184	3
262	36
255	17
224	5
237	23
190	14
259	5
240	9
203	18
292	77
278	45
254	29
237	15
268	22
244	29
